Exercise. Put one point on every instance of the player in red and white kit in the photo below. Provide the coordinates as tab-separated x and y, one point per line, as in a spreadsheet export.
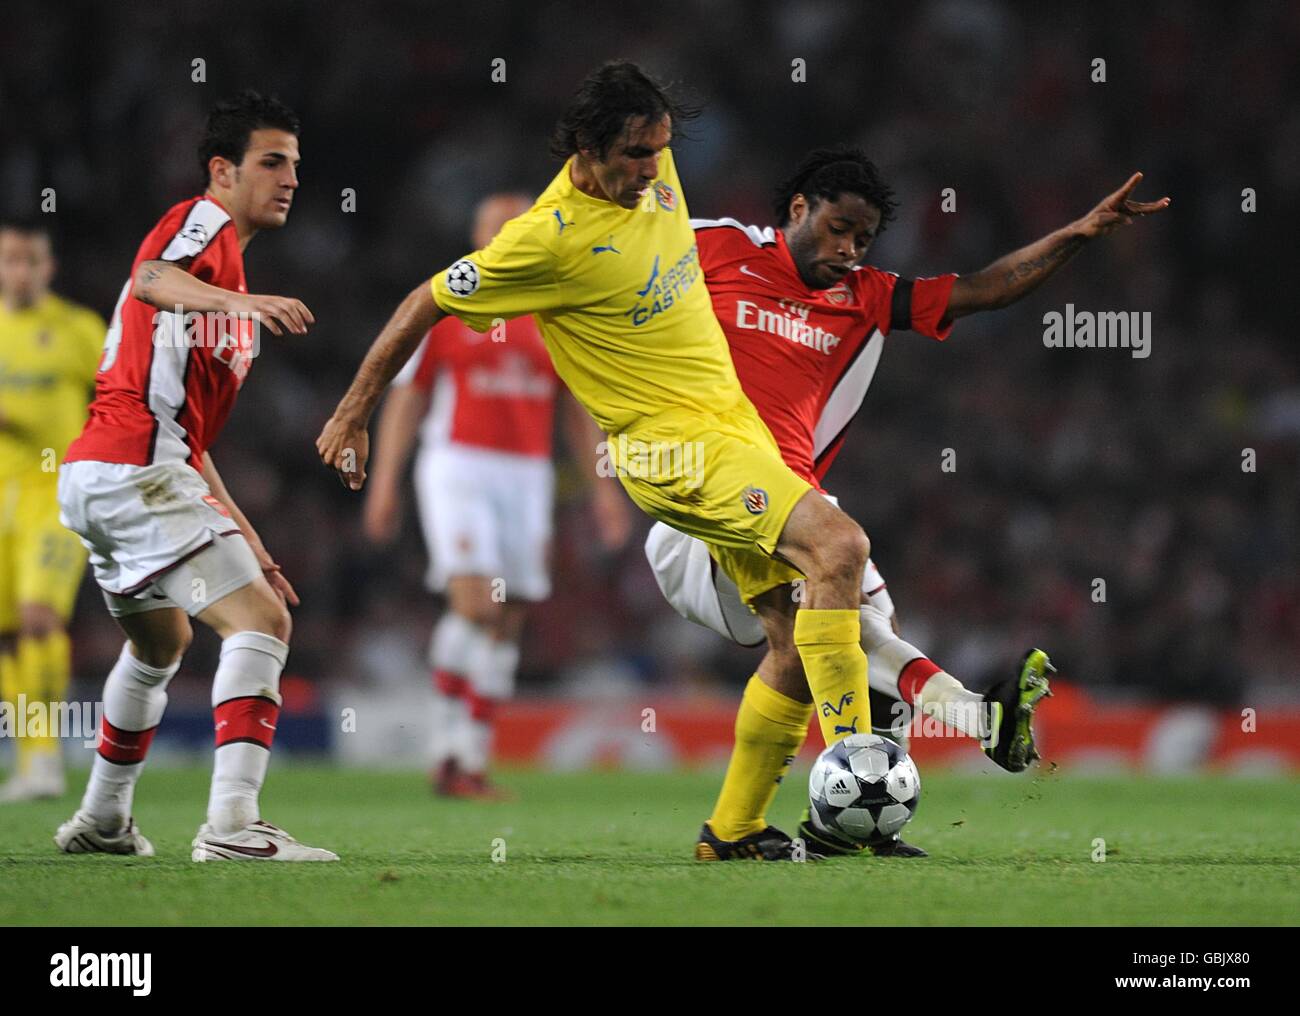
167	542
806	325
483	404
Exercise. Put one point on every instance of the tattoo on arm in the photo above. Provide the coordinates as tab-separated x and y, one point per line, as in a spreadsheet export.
150	276
1028	269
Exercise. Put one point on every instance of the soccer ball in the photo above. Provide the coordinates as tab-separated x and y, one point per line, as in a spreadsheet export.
462	277
863	788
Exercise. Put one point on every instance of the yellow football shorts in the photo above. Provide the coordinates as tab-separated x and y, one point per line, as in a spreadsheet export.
40	561
718	477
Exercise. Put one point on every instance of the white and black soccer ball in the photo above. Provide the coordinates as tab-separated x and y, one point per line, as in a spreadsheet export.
863	788
462	277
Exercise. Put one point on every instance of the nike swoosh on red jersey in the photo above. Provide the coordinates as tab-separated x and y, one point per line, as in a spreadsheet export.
744	270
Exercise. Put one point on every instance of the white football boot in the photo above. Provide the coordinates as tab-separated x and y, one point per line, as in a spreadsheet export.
259	841
79	835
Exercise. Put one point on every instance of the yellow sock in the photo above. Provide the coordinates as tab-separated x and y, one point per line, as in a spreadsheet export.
836	667
43	671
770	729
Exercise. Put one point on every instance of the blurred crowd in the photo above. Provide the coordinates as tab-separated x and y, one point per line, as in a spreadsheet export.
1071	465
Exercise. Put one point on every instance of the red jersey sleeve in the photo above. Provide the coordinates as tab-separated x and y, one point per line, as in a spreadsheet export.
906	304
929	302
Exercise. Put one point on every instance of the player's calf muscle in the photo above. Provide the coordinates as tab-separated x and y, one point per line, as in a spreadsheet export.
158	637
783	672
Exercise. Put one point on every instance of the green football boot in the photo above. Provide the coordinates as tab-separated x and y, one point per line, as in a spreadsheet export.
1012	702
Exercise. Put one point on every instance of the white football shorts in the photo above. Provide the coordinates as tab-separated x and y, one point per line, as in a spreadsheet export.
486	513
147	529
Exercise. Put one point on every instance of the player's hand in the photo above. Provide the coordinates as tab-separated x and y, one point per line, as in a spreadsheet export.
345	446
381	516
278	313
613	515
1118	210
283	588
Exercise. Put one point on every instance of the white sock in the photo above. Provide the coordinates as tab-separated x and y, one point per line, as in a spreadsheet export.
246	709
135	697
443	715
477	746
941	694
492	679
455	641
457	644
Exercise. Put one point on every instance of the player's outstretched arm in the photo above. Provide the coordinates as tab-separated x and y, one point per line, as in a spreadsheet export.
1011	277
167	285
344	443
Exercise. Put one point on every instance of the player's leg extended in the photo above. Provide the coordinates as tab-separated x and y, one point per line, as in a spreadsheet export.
771	726
135	696
831	550
223	586
1001	718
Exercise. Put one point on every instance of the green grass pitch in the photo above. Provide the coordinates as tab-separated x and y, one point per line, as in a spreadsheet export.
607	848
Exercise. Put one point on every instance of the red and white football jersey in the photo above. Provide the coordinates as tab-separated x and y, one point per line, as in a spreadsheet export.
490	390
167	384
805	357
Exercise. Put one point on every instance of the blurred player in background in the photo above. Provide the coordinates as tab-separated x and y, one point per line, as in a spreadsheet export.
166	540
483	407
806	324
49	348
607	261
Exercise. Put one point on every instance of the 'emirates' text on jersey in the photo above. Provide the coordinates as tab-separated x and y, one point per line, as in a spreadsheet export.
618	295
805	357
167	384
493	390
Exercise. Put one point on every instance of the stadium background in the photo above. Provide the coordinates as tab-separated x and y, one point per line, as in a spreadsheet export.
1071	464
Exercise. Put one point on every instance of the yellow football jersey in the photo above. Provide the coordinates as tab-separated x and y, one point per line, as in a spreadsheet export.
618	295
49	353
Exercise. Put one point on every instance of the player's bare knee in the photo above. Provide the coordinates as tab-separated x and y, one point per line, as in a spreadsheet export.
842	554
276	621
480	611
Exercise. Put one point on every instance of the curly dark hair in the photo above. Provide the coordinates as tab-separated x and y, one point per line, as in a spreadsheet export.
829	172
232	121
598	114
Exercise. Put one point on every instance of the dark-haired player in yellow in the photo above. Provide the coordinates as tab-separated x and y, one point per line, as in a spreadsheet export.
49	350
606	260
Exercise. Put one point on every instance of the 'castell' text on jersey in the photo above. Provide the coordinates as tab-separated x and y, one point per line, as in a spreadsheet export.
662	290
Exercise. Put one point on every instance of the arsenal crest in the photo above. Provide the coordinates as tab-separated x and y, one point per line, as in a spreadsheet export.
839	293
